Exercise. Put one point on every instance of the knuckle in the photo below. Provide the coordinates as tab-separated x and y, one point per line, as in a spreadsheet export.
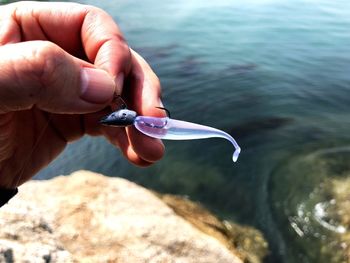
45	62
93	10
48	58
127	57
123	45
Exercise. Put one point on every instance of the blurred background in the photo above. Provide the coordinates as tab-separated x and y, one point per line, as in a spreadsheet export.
276	76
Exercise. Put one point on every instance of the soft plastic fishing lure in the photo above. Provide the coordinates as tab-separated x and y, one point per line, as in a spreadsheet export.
167	128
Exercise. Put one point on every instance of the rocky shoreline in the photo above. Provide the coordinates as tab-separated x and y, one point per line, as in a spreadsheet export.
87	217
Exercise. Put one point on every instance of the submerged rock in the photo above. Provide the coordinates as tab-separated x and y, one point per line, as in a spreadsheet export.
260	125
339	212
241	68
315	206
190	66
155	53
91	218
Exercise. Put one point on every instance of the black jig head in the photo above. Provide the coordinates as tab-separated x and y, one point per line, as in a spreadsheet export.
120	118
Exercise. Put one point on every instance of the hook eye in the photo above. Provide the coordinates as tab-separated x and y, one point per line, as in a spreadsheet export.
166	110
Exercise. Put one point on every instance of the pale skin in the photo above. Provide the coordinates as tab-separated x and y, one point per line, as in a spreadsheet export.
60	66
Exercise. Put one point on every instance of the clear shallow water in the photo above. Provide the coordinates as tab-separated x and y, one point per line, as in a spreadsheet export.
313	216
274	74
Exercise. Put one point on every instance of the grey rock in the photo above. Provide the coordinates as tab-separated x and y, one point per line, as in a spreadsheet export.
86	217
26	236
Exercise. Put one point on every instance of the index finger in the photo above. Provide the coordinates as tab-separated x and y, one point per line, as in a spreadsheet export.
105	45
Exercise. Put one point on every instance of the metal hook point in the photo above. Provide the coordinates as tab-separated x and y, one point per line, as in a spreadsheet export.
166	110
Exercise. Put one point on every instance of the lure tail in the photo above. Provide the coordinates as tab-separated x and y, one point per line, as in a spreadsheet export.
170	129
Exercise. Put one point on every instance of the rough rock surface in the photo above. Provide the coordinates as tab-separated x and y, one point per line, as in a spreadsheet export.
338	213
246	242
91	218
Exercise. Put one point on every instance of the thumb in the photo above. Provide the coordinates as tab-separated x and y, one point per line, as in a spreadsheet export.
41	74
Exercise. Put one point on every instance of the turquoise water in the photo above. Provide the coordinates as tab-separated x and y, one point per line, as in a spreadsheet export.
274	74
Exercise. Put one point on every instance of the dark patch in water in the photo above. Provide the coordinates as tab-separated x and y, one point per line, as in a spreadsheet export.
260	125
190	66
241	68
155	53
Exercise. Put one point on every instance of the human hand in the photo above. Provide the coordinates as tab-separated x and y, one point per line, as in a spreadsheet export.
60	66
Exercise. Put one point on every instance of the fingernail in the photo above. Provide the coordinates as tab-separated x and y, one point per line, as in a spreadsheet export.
96	86
119	82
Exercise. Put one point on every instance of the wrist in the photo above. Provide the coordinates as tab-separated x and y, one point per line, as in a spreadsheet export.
6	194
